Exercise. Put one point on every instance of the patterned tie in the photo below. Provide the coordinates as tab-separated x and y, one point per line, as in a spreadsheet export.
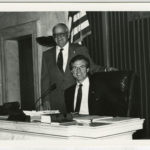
60	60
79	97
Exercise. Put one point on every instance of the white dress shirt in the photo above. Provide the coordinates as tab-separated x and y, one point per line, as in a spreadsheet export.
65	54
84	101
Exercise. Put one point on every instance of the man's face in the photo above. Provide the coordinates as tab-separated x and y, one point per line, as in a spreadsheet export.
79	70
61	36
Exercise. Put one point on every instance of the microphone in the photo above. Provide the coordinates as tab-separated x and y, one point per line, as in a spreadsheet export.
45	93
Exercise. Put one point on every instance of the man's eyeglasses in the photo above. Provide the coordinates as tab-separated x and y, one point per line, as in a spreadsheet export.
60	34
74	68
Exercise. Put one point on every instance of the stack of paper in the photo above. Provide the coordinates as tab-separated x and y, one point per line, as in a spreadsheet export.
36	115
117	119
4	117
90	118
46	118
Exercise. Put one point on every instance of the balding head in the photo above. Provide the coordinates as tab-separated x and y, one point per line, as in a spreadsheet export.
60	25
61	34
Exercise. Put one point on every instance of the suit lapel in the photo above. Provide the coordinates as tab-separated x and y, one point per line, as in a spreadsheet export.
71	53
52	60
54	57
91	96
71	98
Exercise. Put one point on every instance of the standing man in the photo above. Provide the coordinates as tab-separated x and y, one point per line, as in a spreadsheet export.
55	68
90	95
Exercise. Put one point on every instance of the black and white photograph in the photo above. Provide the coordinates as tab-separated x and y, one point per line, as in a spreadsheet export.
74	75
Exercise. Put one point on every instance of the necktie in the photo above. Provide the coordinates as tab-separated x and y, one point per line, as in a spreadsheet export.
60	60
79	97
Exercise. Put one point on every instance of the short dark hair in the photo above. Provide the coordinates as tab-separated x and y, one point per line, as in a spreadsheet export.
62	25
79	57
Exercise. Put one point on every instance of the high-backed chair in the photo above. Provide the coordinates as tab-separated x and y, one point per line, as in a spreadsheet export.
124	83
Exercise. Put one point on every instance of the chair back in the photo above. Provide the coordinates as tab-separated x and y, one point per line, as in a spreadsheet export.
125	84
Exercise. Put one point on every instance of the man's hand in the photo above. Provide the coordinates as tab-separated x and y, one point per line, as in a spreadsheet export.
107	69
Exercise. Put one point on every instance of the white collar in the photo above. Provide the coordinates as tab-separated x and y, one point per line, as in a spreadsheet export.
84	82
65	47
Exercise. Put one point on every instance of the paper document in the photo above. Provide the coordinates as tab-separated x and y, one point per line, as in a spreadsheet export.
117	119
4	117
33	112
36	115
90	118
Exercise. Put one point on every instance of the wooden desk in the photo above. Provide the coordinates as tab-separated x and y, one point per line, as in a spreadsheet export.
23	130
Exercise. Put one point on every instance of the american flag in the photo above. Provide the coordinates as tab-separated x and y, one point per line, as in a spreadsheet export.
79	26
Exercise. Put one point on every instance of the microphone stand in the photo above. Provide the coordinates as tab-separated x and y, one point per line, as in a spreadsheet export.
43	95
66	117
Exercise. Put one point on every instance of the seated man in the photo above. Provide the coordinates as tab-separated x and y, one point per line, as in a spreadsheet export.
88	96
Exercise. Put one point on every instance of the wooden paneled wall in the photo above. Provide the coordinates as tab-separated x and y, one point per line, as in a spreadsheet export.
129	49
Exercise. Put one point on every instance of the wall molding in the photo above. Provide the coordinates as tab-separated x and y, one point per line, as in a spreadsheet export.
11	33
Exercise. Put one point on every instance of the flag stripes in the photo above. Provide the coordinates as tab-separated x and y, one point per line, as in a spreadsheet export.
82	26
79	37
79	26
77	19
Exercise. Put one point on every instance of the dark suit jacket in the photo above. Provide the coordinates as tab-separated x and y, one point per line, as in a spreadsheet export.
51	74
102	100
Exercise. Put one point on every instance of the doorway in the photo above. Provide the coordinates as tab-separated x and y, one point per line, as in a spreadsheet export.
26	72
19	63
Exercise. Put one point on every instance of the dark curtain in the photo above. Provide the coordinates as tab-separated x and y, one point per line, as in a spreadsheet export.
94	42
129	49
